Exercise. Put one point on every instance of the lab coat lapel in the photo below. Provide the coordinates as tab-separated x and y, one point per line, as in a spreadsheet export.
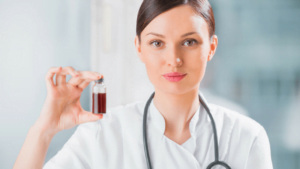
164	152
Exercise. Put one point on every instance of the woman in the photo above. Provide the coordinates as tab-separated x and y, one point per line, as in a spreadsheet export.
175	39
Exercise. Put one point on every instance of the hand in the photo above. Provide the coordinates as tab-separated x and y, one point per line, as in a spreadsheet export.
62	109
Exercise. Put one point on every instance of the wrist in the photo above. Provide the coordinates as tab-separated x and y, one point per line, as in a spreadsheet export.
42	133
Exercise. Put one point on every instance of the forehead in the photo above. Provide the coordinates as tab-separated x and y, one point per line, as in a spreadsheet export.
177	21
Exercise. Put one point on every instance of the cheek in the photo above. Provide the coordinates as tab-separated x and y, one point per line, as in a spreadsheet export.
153	57
152	63
195	64
196	59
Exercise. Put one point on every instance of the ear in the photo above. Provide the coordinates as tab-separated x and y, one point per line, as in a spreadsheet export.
213	47
138	48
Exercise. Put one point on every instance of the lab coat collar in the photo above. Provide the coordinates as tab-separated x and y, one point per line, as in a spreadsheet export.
159	121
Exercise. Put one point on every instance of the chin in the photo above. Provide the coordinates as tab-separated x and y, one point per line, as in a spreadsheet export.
174	88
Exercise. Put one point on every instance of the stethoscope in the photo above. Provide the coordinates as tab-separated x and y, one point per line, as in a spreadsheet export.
203	102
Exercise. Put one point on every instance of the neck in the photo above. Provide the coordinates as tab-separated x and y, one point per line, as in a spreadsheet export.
177	109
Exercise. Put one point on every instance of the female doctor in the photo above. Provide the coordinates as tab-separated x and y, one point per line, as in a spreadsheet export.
175	39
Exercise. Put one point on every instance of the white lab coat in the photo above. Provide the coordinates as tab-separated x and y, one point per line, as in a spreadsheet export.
116	142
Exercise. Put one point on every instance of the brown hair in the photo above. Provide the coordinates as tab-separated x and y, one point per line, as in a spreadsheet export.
152	8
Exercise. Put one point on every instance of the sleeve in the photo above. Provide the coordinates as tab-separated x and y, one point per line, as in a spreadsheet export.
77	151
260	153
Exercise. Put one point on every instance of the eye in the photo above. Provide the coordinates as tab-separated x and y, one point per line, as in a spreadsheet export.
191	40
155	43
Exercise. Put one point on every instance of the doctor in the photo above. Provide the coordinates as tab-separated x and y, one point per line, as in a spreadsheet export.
175	39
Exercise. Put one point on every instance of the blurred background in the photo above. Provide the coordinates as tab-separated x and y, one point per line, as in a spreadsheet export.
256	69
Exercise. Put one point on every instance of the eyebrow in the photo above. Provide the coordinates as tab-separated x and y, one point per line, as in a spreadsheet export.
162	36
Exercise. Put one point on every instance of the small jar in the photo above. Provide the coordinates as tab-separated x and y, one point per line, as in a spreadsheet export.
99	97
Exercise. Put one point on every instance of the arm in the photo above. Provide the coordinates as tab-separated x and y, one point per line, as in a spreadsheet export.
260	153
61	110
79	151
33	152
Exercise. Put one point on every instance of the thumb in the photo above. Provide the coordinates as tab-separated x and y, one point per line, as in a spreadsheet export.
86	116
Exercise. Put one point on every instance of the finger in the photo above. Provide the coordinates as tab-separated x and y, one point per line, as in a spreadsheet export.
61	76
84	84
49	76
87	81
75	81
83	75
98	74
86	116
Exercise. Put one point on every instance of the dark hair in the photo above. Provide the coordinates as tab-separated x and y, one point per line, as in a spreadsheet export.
152	8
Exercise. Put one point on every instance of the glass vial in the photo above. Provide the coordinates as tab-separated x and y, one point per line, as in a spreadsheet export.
99	97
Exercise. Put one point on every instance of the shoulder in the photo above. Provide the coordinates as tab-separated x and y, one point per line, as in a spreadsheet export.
121	111
120	116
116	120
235	121
113	116
240	136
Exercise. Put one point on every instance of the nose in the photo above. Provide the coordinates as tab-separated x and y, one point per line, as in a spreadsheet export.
173	57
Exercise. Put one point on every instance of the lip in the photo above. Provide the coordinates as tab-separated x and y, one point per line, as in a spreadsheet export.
174	76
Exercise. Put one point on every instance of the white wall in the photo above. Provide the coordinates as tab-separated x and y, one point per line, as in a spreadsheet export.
34	36
113	29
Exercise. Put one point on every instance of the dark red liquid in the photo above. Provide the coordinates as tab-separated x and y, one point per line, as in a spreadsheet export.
99	103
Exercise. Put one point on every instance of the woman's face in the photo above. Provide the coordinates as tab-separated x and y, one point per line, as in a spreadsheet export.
164	40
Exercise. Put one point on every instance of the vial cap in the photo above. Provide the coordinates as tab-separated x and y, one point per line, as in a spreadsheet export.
99	80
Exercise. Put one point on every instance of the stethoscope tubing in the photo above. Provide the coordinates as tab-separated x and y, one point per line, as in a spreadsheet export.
145	132
204	103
